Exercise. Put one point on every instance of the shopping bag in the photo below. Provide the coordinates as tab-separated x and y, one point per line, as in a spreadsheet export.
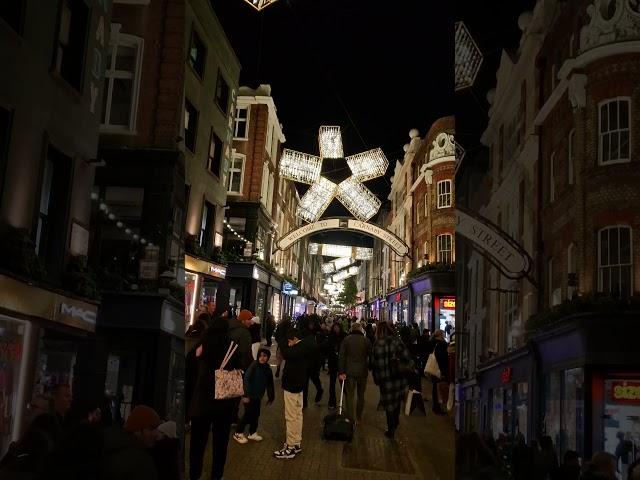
432	367
228	383
452	394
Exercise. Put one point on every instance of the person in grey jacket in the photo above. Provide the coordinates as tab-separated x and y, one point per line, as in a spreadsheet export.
353	365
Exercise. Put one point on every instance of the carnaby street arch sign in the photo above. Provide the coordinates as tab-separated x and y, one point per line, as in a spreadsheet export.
498	247
395	242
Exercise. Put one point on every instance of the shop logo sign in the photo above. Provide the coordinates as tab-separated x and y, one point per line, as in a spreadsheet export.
449	303
626	392
72	311
506	374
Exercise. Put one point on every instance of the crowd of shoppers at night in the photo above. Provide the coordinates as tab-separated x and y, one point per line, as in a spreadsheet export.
347	349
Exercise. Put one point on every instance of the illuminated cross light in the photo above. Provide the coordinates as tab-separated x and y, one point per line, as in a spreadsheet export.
363	253
305	168
468	58
342	262
336	250
260	4
328	267
313	248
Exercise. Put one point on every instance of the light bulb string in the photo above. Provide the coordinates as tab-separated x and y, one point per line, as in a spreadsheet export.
104	207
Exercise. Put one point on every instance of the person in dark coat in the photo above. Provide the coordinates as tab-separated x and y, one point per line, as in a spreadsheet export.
294	377
353	365
208	414
194	335
166	452
313	374
392	386
270	328
281	340
127	453
334	342
545	460
570	468
439	348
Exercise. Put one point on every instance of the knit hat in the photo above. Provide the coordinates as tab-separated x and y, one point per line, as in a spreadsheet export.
142	418
245	315
168	429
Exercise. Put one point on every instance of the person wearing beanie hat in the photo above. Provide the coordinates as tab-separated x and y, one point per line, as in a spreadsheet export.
166	452
127	453
257	380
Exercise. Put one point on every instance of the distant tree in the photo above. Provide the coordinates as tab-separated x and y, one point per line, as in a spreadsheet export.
348	296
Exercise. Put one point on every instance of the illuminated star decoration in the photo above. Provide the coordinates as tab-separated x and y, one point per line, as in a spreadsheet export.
260	4
468	58
305	168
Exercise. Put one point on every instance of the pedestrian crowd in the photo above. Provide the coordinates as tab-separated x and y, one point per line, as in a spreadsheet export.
481	457
347	350
66	438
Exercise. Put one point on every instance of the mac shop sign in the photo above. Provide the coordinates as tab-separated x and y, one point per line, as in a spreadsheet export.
73	311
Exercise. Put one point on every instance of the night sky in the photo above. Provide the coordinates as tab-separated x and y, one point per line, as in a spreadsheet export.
493	33
377	69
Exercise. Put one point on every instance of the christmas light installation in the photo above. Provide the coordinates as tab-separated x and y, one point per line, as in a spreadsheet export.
305	168
328	250
468	58
260	4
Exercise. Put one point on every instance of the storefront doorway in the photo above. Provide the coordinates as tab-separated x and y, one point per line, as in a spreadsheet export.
622	421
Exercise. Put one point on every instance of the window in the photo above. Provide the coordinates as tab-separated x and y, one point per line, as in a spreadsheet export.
552	180
444	194
236	173
190	125
444	248
11	12
52	223
571	272
418	213
207	226
614	261
571	150
614	131
222	93
71	40
5	137
242	121
550	280
426	205
214	160
122	80
264	189
197	54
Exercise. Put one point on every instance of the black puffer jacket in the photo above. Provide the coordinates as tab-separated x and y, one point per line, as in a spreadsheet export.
294	376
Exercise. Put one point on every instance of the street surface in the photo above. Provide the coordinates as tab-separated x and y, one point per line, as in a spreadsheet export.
423	448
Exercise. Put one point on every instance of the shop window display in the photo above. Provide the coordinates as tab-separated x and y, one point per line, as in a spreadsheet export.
573	410
56	363
552	415
521	402
622	421
12	333
497	413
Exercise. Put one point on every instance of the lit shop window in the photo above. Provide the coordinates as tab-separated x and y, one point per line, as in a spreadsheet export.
121	84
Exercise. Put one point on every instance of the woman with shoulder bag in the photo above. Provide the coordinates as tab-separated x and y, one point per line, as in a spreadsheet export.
207	413
440	383
388	351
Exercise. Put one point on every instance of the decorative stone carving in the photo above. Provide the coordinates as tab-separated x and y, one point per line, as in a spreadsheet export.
610	21
577	91
443	146
428	177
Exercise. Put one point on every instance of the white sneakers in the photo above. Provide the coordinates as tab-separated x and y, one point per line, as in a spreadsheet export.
241	438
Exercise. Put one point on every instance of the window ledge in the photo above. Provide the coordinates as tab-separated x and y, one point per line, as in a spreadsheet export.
104	130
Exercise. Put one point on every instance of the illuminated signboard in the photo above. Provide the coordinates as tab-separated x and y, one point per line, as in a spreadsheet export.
449	303
626	392
506	375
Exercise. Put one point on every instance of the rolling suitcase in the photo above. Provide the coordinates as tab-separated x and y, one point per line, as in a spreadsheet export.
336	425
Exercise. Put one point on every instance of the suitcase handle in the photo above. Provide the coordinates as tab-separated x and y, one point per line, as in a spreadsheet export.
341	397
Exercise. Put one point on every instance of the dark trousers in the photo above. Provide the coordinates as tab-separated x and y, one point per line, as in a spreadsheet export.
218	423
393	419
235	412
314	376
434	395
333	376
250	417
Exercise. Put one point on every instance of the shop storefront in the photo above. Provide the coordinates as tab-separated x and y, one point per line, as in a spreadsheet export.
201	286
399	305
506	395
45	340
255	289
434	300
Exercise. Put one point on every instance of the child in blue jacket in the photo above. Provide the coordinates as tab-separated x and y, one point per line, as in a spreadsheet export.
258	379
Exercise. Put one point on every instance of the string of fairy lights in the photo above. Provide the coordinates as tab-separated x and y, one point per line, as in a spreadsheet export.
232	230
104	208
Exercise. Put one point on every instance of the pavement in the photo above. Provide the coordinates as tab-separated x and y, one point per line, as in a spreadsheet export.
423	447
